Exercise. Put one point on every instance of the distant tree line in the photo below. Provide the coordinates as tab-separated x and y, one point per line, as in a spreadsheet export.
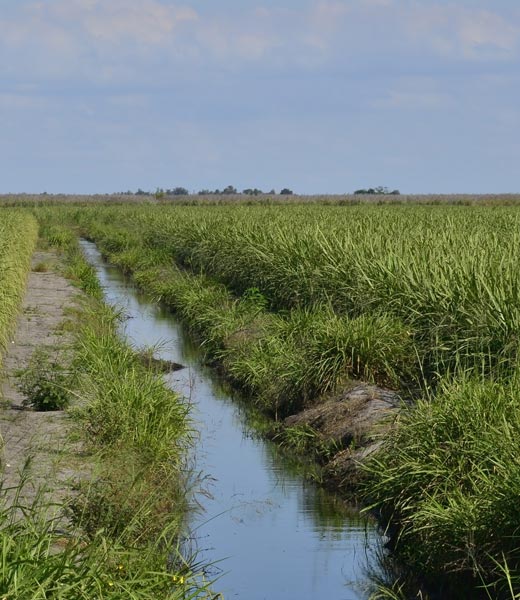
378	190
229	190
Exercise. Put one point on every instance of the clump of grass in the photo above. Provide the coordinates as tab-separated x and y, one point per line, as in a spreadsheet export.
41	267
304	440
447	480
131	500
82	274
126	403
46	382
56	235
41	561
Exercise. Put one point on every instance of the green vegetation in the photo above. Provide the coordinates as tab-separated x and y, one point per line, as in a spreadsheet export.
445	277
293	301
18	234
46	382
448	478
125	404
123	525
40	562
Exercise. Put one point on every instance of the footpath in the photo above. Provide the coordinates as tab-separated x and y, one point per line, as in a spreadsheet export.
37	447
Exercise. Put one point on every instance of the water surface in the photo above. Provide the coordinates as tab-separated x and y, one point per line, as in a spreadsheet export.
271	534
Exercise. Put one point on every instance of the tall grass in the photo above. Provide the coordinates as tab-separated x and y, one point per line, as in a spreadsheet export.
125	403
39	562
292	300
284	361
448	273
119	535
448	480
18	234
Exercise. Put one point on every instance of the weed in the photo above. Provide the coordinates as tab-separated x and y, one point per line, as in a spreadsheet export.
41	561
45	383
41	267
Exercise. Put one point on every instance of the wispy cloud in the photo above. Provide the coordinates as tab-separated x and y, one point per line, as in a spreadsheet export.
114	21
107	40
462	32
88	38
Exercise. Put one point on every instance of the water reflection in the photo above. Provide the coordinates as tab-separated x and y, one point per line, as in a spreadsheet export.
276	536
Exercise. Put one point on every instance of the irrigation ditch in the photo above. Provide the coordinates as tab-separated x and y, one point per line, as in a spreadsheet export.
268	530
294	304
292	316
89	506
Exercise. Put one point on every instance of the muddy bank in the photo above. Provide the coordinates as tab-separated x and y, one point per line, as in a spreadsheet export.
346	429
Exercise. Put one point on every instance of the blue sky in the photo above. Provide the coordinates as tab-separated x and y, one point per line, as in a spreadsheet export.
317	95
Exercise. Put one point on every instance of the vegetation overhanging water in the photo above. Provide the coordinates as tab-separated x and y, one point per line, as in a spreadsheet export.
267	532
292	300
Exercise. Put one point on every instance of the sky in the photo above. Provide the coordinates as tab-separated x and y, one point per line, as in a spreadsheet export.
321	96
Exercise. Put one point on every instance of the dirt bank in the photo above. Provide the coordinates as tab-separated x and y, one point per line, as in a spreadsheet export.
37	444
353	421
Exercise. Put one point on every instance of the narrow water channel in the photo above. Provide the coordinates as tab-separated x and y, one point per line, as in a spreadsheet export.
271	534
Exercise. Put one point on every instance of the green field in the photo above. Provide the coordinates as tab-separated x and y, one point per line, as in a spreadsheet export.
292	302
295	301
443	280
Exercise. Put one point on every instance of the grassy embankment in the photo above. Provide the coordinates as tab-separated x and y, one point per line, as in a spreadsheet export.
295	300
126	522
18	235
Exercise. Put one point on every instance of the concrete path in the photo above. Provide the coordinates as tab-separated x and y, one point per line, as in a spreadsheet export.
37	445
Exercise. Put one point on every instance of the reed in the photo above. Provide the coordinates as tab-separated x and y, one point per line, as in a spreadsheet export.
18	234
293	300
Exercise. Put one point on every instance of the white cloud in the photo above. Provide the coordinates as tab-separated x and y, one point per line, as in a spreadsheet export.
483	29
457	31
139	40
59	24
144	21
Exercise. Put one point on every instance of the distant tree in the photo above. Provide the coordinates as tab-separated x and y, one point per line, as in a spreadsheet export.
252	192
229	190
381	190
286	192
204	192
141	192
179	191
